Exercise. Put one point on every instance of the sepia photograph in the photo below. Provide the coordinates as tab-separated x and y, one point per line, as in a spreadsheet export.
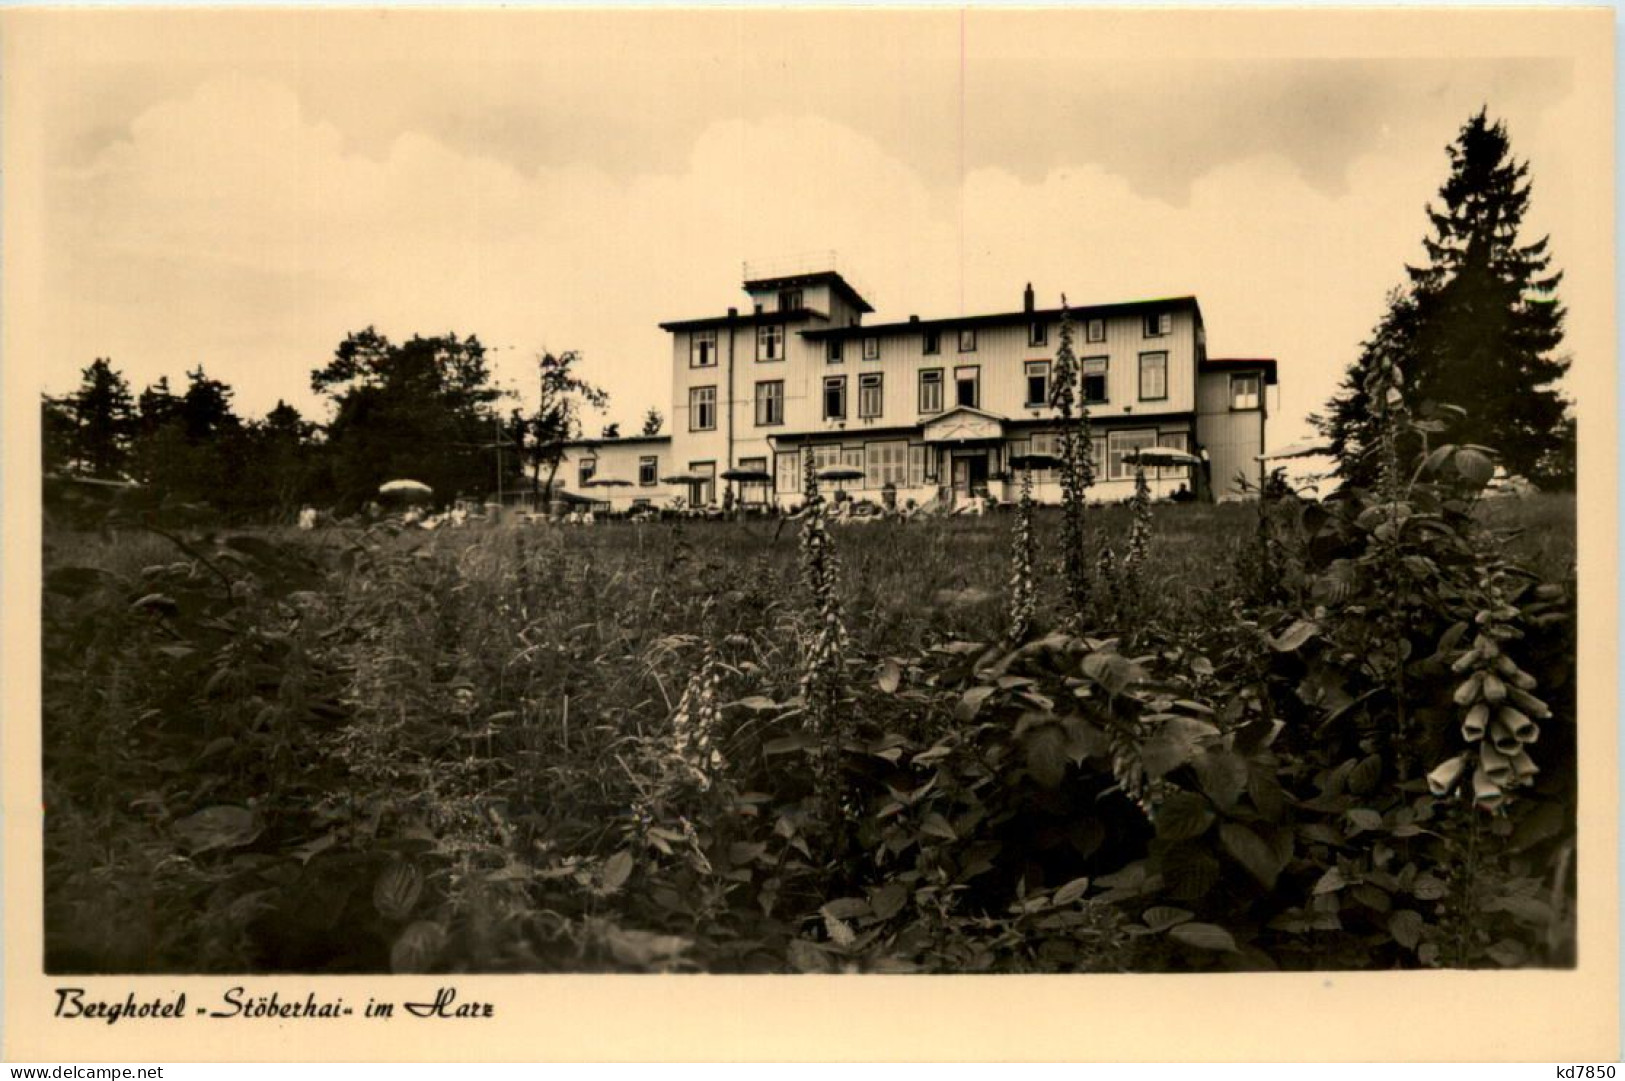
787	492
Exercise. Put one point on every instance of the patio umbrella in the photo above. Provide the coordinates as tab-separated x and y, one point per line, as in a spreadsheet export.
608	482
840	473
693	480
1296	450
747	476
1161	456
408	490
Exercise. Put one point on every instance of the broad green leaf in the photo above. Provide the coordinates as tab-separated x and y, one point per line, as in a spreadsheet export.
891	677
1248	849
1182	816
1223	777
396	892
1406	927
617	869
808	956
1162	917
1204	936
1294	636
1363	818
888	900
223	826
845	908
1331	881
417	949
1071	892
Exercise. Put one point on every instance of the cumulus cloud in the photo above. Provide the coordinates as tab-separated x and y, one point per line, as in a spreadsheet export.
232	224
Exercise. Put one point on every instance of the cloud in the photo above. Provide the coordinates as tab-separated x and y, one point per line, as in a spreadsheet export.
234	226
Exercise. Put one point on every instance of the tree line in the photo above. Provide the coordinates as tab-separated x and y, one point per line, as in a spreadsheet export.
425	409
1475	334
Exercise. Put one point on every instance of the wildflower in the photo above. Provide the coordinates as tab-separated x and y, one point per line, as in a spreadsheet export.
1139	534
822	672
1128	767
1106	573
1023	591
694	725
1077	470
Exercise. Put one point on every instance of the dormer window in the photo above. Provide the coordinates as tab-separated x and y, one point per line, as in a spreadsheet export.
789	300
1159	324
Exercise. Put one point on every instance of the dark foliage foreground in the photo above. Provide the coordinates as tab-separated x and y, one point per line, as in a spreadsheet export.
682	747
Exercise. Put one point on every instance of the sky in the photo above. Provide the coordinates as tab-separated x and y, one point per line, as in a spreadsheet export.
240	190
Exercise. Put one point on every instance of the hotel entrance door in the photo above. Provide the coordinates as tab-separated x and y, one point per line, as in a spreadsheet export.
970	473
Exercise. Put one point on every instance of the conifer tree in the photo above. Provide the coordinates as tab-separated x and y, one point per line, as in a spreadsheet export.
1477	327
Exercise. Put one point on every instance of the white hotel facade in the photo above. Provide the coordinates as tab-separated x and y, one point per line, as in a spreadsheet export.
933	407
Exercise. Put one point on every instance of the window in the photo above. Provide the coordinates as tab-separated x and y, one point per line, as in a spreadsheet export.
770	342
967	341
968	387
1037	383
1038	334
648	471
1153	376
826	456
789	300
705	491
1097	453
1043	443
852	458
787	471
702	409
871	348
886	463
1178	441
588	467
1094	380
871	399
702	349
931	390
931	342
1159	324
919	464
1244	391
835	397
1119	444
1095	330
753	491
769	403
835	350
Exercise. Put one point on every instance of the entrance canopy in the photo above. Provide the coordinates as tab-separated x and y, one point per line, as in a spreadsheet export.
965	425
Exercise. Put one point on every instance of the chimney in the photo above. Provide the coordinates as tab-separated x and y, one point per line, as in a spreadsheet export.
733	313
1027	297
913	319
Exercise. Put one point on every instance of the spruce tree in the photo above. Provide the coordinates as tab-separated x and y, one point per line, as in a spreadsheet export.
103	421
1479	325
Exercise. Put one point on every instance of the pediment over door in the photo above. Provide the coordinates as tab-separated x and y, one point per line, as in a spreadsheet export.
964	425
